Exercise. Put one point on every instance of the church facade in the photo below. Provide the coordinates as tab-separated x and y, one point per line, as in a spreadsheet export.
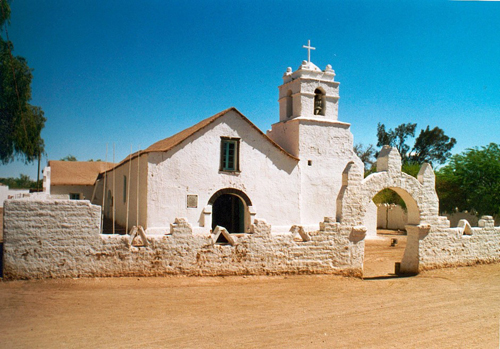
225	172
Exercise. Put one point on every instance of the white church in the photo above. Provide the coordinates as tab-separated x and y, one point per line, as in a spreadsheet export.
292	200
225	171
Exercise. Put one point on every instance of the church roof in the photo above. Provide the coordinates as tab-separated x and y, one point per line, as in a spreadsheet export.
170	142
76	172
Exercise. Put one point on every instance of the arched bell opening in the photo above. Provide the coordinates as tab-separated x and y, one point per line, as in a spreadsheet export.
319	102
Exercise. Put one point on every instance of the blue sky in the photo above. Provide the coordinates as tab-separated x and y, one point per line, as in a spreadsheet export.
131	73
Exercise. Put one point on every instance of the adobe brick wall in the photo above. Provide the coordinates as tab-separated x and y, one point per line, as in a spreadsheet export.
60	238
448	247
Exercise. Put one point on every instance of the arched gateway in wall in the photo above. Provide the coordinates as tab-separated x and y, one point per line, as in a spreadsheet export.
419	195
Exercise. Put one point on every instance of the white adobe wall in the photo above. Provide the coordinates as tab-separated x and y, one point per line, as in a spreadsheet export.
449	247
391	217
60	238
267	176
329	147
46	179
370	220
455	217
6	193
46	238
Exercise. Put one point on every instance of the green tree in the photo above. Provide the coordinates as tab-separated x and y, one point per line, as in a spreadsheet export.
69	158
471	181
396	138
21	123
366	154
22	182
431	145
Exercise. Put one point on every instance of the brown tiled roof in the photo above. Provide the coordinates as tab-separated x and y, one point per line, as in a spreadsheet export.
170	142
76	172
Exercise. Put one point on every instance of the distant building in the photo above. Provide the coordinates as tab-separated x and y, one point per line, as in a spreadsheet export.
73	178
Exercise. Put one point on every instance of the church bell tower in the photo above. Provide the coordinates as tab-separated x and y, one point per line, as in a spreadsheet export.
309	92
309	129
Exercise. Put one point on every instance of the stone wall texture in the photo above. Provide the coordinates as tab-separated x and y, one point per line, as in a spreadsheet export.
60	238
448	247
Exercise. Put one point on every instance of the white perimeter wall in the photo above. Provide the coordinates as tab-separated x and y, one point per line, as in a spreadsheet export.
6	193
449	247
60	238
370	220
391	217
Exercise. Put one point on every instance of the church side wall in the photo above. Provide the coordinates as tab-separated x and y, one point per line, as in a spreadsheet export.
131	172
268	176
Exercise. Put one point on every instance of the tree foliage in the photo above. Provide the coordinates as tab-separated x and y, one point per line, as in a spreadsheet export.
21	182
366	154
431	145
396	138
69	158
21	123
471	181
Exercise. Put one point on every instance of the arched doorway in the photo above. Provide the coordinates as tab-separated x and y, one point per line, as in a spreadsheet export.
386	239
230	210
419	195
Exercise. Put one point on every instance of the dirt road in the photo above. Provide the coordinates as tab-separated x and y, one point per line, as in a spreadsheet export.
447	308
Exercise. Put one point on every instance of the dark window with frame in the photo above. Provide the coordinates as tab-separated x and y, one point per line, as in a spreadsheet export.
124	188
229	157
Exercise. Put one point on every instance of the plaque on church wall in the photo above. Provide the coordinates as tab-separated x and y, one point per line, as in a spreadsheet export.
192	201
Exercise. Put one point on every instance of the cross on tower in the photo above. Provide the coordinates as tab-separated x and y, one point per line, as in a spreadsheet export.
309	48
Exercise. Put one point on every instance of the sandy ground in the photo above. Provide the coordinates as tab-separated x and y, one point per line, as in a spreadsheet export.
447	308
